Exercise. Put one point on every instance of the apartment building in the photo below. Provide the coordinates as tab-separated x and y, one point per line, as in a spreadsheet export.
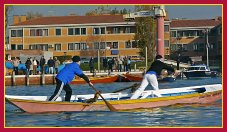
190	38
86	36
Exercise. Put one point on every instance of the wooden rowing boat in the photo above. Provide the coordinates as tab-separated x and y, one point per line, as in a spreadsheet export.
120	101
139	78
106	79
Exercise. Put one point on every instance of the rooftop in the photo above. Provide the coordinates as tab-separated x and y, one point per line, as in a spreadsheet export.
52	20
195	23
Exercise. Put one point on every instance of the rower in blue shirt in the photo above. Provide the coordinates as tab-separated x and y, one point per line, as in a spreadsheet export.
65	76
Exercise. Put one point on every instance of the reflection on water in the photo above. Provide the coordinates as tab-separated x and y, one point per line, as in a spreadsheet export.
191	115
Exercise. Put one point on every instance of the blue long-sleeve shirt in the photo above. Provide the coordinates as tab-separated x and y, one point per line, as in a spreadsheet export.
67	74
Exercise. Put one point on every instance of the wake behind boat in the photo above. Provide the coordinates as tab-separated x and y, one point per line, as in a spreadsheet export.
121	100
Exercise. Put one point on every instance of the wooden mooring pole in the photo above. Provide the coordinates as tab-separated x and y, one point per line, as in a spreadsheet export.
27	79
13	79
42	79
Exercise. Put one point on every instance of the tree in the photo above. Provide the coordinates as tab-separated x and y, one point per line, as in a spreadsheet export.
124	11
146	33
105	10
99	11
8	9
31	15
115	11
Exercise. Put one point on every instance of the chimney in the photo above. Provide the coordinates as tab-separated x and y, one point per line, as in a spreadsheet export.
15	19
18	19
23	18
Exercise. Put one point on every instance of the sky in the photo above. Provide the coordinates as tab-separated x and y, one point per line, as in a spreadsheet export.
182	11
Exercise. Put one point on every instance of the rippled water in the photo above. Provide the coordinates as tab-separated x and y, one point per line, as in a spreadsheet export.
208	115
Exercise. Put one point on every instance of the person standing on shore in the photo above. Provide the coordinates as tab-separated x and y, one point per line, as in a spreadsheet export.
56	64
42	63
15	65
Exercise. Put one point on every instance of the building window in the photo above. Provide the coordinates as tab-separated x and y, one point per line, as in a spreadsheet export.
43	47
57	47
130	29
38	32
99	30
77	31
128	44
127	30
70	31
13	47
32	47
70	46
166	43
115	45
103	30
180	34
83	46
173	34
134	44
190	33
20	47
45	32
102	45
13	33
96	31
77	46
96	45
83	31
58	32
166	28
19	33
16	33
116	30
32	32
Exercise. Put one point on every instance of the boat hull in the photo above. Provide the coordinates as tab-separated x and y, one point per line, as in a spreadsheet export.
34	106
190	74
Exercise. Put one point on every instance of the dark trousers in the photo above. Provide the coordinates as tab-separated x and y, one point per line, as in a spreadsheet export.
42	69
56	70
91	69
59	86
16	70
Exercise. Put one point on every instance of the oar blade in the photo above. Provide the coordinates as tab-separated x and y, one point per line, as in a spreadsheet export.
106	102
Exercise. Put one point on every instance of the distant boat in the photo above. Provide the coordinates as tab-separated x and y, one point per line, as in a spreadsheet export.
120	101
195	71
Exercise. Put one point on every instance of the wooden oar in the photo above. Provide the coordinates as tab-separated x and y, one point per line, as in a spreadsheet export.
106	102
134	85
